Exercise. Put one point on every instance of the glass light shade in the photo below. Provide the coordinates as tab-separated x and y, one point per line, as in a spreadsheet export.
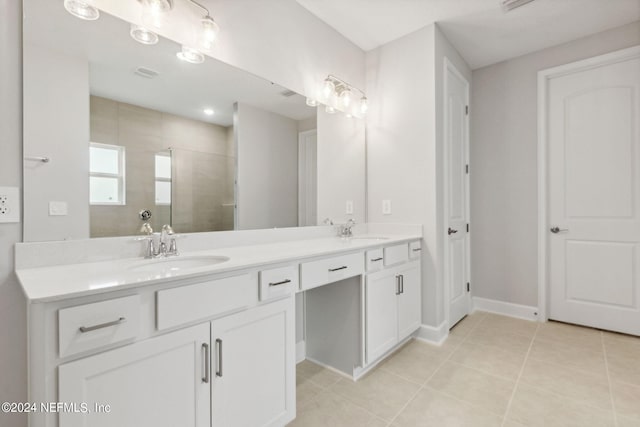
190	55
208	33
312	102
328	89
82	9
364	105
345	97
154	12
329	109
142	35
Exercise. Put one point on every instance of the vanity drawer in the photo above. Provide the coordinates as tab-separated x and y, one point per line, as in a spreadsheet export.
278	282
415	249
375	259
91	326
177	306
396	254
321	272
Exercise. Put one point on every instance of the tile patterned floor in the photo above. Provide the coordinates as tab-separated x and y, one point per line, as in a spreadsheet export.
491	371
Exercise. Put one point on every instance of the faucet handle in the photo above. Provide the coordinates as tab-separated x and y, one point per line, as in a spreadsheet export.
167	229
146	229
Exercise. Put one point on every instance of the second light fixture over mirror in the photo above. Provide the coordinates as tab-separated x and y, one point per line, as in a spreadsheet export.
338	95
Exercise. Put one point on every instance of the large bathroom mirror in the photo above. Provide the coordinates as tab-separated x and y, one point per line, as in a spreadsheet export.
113	127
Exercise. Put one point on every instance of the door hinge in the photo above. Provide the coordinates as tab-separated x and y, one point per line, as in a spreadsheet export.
466	168
467	227
466	110
468	287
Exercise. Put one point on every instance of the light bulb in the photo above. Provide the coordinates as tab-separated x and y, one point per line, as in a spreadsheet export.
142	35
82	9
155	11
328	89
208	32
312	102
345	97
190	55
329	109
364	105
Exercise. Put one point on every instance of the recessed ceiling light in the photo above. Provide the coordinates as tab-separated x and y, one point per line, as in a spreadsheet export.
142	35
82	9
208	111
190	55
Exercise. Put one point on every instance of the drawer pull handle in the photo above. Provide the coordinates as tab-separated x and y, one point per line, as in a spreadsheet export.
416	249
344	267
398	285
402	283
377	259
284	282
84	329
219	346
205	360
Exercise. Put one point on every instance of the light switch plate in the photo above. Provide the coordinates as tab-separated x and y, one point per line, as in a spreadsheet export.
58	208
349	209
9	204
386	207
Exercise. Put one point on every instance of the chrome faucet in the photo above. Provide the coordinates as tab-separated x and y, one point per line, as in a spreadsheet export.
346	229
159	245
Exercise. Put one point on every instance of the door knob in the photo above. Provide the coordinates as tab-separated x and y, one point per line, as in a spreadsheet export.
556	230
451	231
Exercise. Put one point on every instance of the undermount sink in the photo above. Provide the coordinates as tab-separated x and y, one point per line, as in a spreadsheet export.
167	265
369	238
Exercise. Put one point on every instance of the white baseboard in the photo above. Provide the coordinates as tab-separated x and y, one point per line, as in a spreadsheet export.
301	351
433	334
506	308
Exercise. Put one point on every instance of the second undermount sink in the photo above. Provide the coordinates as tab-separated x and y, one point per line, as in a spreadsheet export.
168	265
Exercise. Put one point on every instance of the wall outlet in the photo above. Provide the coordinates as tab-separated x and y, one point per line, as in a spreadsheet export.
58	208
349	209
9	204
386	207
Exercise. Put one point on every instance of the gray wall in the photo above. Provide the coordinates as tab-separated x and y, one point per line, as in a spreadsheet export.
13	333
504	167
267	145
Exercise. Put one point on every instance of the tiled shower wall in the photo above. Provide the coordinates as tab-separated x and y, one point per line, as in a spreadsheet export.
203	169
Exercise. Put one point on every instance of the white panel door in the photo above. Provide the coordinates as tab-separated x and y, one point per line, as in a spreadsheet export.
594	196
409	300
254	379
159	382
381	310
456	139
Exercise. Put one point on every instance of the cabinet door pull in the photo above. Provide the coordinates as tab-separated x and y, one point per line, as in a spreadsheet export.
280	283
84	329
205	360
339	268
402	283
416	249
219	347
377	259
398	285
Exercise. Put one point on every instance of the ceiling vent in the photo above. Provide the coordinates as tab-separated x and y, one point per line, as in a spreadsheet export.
288	93
508	5
146	73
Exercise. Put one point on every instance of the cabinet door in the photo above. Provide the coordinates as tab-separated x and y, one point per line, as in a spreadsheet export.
409	300
159	382
254	367
381	308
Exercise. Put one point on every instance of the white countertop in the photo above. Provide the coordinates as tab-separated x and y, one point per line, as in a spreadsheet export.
46	284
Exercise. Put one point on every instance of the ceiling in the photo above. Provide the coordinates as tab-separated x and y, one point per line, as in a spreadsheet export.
478	29
180	88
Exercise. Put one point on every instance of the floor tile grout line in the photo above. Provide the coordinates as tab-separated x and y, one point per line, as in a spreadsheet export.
424	384
606	366
517	382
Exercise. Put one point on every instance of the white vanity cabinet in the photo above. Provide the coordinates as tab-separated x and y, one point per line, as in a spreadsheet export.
254	380
392	307
159	382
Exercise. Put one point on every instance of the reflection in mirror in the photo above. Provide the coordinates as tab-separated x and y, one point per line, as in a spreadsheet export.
130	127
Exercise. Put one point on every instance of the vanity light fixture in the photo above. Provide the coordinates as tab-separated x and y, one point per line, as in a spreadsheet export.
208	29
190	55
334	88
143	35
154	12
83	9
